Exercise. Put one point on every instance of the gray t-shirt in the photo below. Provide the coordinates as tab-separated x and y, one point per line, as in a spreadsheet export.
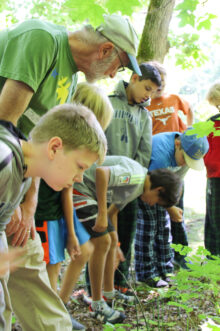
13	186
126	181
130	131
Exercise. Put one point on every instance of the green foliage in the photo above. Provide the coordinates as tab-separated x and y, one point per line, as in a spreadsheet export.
74	11
203	129
202	279
188	50
206	21
188	45
118	327
80	11
187	14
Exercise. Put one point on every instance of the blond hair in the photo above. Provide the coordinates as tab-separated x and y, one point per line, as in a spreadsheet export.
94	98
76	125
159	66
213	95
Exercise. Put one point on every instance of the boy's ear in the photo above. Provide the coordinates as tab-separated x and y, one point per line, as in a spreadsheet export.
54	144
105	50
159	188
135	78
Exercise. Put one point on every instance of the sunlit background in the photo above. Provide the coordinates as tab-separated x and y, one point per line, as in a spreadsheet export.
192	83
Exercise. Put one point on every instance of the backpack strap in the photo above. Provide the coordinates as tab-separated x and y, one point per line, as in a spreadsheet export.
6	161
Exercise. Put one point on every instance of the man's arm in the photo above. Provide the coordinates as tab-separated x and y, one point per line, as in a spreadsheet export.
14	99
102	180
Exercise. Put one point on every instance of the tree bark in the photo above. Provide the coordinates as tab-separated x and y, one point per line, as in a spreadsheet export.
154	44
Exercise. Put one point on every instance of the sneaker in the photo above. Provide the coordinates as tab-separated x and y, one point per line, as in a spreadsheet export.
106	314
156	282
168	277
120	298
75	325
182	263
86	299
124	290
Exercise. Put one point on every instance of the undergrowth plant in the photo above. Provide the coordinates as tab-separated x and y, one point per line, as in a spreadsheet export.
192	295
198	285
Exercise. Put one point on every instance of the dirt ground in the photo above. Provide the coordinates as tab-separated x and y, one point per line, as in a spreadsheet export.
148	307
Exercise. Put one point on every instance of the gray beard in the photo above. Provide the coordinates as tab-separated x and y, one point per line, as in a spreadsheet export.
97	69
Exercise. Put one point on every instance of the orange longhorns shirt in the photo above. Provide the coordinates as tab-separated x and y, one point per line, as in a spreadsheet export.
164	112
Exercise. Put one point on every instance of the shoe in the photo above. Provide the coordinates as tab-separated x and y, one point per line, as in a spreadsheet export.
120	298
124	290
86	299
75	325
156	282
168	277
182	263
106	314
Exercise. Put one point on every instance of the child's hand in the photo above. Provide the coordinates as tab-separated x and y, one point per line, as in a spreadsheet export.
118	258
100	224
73	247
176	214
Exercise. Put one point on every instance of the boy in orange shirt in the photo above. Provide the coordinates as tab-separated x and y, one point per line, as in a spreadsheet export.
164	109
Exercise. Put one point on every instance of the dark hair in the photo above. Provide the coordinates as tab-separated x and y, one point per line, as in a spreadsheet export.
171	185
150	72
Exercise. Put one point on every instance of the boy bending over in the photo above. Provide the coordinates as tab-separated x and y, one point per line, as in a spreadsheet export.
119	181
56	152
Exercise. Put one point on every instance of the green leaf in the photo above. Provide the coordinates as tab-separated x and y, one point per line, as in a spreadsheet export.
13	320
202	129
125	7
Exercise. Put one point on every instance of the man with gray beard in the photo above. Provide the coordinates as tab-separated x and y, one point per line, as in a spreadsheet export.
39	62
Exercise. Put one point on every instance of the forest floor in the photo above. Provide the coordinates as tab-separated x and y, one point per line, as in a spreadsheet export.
152	312
198	304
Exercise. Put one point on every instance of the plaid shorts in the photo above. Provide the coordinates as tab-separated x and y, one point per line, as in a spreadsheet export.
153	254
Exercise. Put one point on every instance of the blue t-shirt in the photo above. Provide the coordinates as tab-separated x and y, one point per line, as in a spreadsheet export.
163	150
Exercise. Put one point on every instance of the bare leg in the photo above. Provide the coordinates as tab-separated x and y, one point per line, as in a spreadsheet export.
97	264
53	273
73	271
109	266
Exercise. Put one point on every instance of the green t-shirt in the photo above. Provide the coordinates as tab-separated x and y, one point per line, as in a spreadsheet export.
38	54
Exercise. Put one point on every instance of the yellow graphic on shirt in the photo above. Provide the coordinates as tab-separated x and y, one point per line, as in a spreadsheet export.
62	90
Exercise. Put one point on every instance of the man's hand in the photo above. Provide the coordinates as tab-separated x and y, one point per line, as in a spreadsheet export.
21	225
176	214
73	247
101	223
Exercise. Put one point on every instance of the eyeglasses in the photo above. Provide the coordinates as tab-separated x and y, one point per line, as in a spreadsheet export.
121	68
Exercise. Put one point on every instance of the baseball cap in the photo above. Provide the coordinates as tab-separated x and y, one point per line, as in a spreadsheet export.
119	30
194	149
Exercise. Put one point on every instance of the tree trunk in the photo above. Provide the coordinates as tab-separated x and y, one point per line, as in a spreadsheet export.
154	44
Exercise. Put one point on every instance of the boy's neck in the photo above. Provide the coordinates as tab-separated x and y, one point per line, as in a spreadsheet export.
129	96
31	159
147	183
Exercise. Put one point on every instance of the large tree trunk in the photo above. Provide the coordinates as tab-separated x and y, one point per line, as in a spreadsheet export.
154	44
